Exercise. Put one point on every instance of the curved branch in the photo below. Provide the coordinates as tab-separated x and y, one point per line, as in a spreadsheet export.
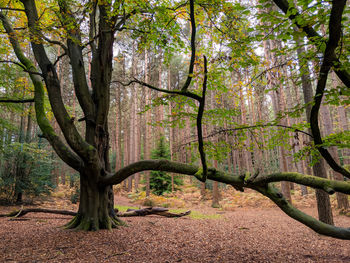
239	182
258	126
60	148
328	186
174	92
69	130
222	177
316	225
55	42
216	132
193	47
199	125
11	61
20	65
328	60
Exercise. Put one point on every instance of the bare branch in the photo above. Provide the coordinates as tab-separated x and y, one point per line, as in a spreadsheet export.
59	58
55	42
220	131
12	9
7	100
267	70
257	126
20	65
174	92
193	48
203	176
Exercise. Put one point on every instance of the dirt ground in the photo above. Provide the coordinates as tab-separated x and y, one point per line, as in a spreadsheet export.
242	235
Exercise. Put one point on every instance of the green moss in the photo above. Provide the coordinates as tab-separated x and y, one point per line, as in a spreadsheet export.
123	208
73	223
196	214
118	222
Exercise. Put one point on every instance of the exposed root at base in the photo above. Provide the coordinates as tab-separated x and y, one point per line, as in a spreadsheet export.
84	223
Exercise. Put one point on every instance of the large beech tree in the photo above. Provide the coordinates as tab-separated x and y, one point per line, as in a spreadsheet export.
89	28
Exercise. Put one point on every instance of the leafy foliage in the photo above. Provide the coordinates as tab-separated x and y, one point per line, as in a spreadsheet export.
35	165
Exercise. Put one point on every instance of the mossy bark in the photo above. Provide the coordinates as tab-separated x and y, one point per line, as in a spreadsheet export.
96	209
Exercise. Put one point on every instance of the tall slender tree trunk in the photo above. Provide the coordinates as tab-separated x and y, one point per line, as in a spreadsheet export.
20	164
278	106
342	199
148	142
216	194
171	129
344	126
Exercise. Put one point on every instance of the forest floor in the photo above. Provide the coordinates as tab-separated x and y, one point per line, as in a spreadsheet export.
261	233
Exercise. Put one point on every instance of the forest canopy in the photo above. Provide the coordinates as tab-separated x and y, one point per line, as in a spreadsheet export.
245	93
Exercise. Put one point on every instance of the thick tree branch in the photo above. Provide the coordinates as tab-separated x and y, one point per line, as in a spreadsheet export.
220	176
193	47
329	186
329	58
239	182
101	65
314	37
61	149
199	124
71	134
75	54
92	30
316	225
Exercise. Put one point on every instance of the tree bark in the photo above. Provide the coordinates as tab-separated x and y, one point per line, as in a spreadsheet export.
148	142
342	200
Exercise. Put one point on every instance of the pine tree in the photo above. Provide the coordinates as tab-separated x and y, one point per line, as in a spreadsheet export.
160	182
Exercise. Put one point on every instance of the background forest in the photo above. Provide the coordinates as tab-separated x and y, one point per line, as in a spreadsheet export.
261	75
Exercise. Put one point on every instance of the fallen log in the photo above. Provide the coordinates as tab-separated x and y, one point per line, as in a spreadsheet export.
130	212
151	211
22	212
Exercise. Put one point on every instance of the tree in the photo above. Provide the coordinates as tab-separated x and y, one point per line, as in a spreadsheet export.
89	29
160	181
